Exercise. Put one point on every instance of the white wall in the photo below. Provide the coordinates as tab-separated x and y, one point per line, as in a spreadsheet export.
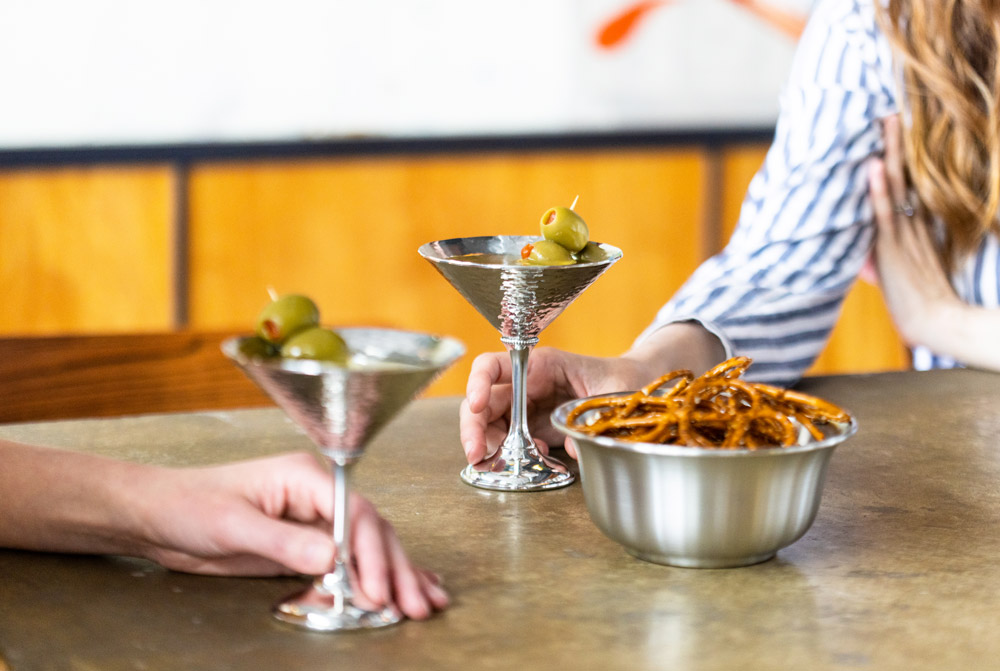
107	72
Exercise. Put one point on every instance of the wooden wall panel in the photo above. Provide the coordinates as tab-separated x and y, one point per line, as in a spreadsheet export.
59	377
864	339
347	233
740	164
90	250
85	250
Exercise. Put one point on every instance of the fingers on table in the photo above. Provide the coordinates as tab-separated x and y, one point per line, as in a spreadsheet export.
386	574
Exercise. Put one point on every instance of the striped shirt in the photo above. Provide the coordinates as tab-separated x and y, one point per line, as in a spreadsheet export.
806	225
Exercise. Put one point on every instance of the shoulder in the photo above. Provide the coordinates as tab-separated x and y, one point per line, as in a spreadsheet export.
850	14
843	45
842	23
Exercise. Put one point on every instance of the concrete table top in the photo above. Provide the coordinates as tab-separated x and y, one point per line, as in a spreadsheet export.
901	569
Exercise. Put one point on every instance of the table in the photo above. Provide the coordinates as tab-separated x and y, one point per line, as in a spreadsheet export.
899	571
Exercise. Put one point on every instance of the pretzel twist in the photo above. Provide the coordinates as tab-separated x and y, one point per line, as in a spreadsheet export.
717	409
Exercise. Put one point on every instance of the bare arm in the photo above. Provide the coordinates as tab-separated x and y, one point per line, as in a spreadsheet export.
966	333
259	517
924	307
65	501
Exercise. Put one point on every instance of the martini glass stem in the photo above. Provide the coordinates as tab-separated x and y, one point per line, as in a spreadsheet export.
518	440
337	582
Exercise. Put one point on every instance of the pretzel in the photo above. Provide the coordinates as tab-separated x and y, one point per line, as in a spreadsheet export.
717	409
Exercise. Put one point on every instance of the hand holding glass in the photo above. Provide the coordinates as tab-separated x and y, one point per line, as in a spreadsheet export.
341	408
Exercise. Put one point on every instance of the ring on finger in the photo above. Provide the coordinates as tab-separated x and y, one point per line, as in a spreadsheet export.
905	208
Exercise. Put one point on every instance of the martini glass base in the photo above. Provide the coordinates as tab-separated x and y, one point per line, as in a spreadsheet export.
316	609
533	474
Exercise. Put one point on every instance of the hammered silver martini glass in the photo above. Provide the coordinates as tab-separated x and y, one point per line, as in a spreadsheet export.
519	301
341	408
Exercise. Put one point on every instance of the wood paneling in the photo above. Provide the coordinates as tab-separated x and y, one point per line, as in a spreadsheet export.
347	233
90	250
85	250
864	339
61	377
740	164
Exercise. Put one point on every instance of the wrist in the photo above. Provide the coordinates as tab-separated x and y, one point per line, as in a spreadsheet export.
139	503
113	524
675	346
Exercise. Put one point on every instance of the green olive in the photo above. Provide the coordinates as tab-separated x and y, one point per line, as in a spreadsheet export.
286	315
318	343
548	253
563	225
592	253
257	348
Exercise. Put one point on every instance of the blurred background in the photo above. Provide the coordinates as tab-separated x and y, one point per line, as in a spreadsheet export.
163	164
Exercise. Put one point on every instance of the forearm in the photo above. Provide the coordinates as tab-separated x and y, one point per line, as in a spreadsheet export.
64	501
676	346
966	333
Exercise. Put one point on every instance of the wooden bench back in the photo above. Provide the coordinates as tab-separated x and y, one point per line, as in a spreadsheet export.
62	377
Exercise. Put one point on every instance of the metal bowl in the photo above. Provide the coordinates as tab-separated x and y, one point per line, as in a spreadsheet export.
701	507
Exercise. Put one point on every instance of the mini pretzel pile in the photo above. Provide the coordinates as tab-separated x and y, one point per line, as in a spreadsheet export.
716	409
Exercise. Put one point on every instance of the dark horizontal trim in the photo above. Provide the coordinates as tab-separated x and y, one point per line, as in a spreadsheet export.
375	146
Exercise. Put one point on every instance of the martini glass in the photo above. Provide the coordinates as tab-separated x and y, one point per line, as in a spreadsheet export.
341	408
519	301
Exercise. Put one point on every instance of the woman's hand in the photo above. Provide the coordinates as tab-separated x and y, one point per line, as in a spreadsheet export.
555	376
910	273
924	306
270	517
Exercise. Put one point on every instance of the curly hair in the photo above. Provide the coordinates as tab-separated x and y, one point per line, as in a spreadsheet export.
950	74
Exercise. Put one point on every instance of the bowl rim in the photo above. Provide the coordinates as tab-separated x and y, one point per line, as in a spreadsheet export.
558	419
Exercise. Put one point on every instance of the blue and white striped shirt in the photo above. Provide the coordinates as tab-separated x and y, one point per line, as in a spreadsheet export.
806	225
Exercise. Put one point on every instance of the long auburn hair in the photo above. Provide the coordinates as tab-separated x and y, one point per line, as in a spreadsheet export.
951	84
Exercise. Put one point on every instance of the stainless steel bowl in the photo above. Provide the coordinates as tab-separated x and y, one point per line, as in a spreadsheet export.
698	507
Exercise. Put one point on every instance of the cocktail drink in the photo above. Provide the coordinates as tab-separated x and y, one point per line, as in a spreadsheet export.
519	301
341	407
